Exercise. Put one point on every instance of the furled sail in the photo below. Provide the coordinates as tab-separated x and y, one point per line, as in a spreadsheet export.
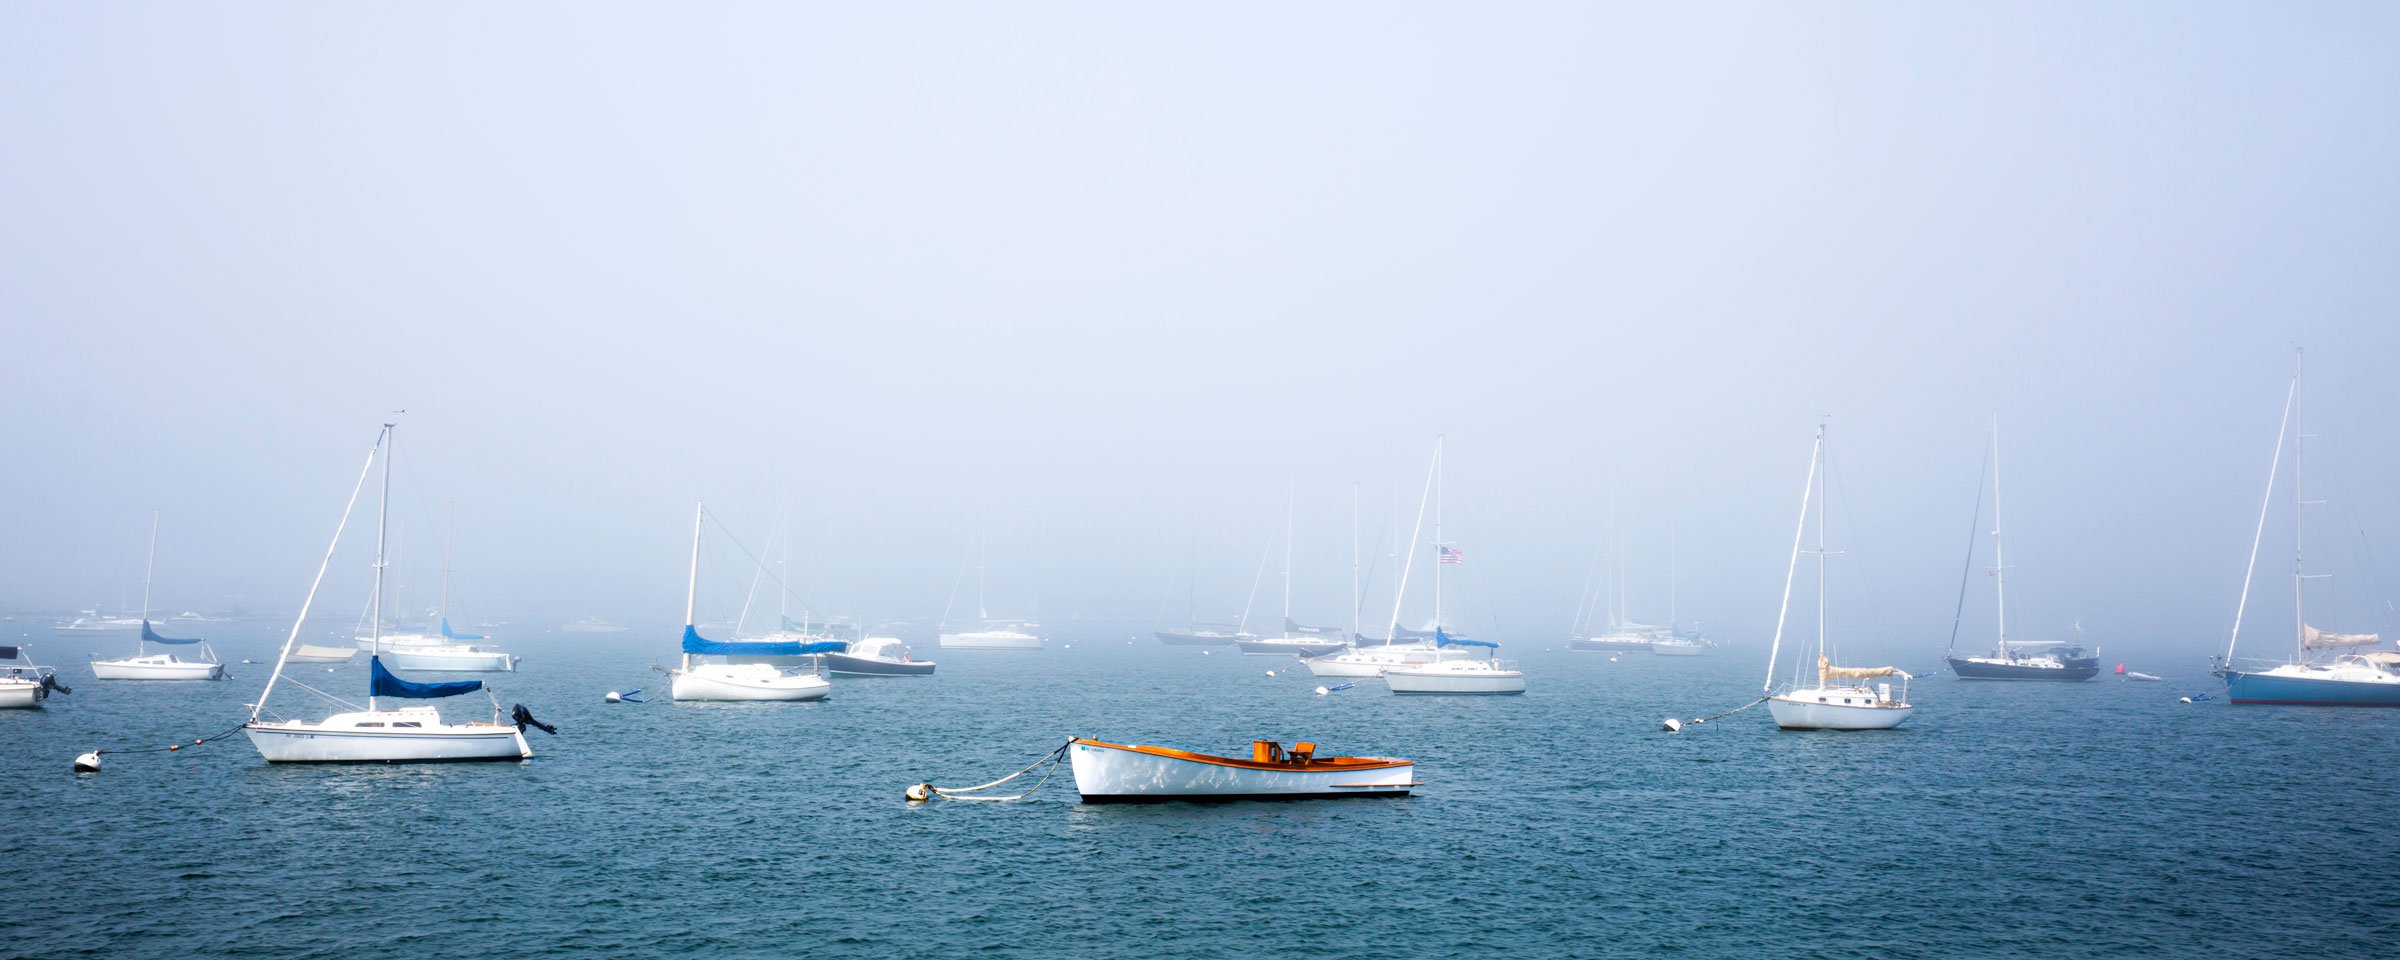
384	683
1827	672
2316	639
1441	639
148	636
455	635
693	642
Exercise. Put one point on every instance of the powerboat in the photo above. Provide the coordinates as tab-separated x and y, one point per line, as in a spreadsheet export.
1117	773
1005	636
22	684
312	653
877	657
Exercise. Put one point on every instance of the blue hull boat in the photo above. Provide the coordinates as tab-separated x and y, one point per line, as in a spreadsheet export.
2245	687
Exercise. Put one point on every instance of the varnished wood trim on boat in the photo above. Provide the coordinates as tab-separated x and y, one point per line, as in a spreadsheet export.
1317	764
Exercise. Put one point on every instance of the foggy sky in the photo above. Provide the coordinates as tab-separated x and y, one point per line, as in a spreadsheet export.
1098	281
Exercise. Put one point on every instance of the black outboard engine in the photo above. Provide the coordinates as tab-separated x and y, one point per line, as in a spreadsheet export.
524	718
50	682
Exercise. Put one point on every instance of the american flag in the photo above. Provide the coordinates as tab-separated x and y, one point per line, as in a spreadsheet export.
1453	555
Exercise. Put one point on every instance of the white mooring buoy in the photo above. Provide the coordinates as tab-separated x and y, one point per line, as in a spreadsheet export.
1674	726
613	697
1321	691
1270	673
88	763
920	793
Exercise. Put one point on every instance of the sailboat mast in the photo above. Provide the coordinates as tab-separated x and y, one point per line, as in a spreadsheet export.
2299	521
449	539
982	612
1290	491
2259	534
1438	543
1822	651
383	523
1670	573
1354	562
691	588
1807	489
1400	591
1999	555
140	643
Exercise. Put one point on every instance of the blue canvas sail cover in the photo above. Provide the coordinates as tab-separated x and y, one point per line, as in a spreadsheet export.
8	653
693	642
793	625
150	636
1441	639
384	683
455	635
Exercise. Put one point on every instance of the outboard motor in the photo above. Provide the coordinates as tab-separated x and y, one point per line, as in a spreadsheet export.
50	682
524	718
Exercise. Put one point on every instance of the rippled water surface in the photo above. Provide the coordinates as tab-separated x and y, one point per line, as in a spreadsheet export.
2102	819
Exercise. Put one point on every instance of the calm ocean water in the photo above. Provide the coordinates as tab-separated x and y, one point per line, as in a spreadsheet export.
2103	819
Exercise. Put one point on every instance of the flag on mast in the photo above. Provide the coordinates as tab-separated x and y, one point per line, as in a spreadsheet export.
1453	555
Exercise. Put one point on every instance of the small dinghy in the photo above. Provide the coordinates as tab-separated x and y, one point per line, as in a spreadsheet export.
1117	773
877	657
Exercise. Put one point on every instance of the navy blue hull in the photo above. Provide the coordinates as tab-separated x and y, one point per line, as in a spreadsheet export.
2075	671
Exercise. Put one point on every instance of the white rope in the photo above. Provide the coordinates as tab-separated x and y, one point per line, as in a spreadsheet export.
1052	758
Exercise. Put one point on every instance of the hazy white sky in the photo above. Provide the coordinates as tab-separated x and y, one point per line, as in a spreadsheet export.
1105	278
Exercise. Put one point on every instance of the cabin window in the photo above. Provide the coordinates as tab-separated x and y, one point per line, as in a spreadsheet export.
377	723
407	723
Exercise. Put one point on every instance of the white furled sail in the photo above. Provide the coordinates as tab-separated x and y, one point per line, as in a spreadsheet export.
1827	672
2315	639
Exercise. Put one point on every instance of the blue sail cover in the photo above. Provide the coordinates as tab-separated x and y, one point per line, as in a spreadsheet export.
149	636
693	642
1441	639
455	635
384	683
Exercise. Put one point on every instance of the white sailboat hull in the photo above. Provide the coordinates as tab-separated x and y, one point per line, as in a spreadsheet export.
1442	679
450	660
1290	646
158	666
1836	708
1369	661
1110	773
1677	648
745	681
991	640
357	738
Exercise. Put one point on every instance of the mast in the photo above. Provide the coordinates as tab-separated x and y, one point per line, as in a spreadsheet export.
2259	535
383	518
1290	490
1400	591
1438	544
981	612
1807	488
1353	562
1999	555
293	638
1670	573
2299	521
140	645
691	589
1821	570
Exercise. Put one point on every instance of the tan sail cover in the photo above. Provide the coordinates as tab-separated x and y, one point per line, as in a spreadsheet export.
2316	639
1827	672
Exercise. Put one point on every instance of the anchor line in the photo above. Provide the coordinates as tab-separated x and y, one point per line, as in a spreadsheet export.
1052	758
236	728
1733	711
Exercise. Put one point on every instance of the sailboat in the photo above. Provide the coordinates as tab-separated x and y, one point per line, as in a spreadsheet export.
733	674
2058	661
1393	657
458	652
996	634
377	734
1831	704
23	684
2327	669
1292	643
1623	636
144	665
